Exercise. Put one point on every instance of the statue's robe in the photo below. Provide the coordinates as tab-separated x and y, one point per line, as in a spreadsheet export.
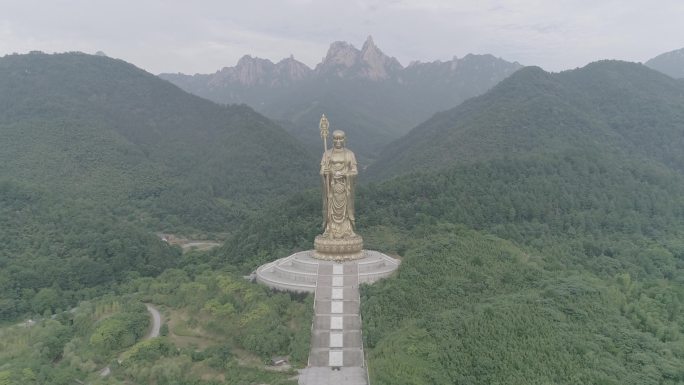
338	174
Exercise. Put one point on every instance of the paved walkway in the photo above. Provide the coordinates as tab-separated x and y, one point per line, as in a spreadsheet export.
336	355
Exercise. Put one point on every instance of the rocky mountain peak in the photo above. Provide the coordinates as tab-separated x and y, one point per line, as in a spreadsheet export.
344	60
251	71
341	53
291	70
369	45
378	65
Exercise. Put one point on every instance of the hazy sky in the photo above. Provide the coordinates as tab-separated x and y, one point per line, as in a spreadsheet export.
204	36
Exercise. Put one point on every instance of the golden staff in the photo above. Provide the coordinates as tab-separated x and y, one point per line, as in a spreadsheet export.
323	125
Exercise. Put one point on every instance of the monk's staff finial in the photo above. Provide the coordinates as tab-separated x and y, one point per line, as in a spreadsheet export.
323	125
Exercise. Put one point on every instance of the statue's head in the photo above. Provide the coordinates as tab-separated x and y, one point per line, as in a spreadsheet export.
338	138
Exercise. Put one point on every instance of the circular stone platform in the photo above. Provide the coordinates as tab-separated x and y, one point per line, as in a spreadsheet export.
299	271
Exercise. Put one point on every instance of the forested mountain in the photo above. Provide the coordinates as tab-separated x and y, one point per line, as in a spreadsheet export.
540	227
670	63
55	251
364	92
86	125
610	106
98	155
559	268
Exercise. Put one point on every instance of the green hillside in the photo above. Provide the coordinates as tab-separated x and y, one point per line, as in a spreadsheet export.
217	328
580	173
55	252
97	156
471	308
588	287
561	268
367	111
85	125
540	229
612	106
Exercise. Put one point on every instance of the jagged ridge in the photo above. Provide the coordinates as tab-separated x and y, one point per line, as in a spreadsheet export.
365	92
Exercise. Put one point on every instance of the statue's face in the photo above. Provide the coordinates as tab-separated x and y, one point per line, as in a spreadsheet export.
338	141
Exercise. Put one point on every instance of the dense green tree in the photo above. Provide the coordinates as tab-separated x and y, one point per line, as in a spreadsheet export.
468	308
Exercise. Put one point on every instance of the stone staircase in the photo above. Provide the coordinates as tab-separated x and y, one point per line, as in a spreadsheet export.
336	355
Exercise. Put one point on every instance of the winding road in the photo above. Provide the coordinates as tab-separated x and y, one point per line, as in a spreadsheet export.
154	332
156	322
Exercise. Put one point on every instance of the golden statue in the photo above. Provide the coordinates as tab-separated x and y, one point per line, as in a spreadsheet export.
338	172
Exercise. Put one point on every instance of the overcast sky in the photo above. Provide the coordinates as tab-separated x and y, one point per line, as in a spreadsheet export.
204	36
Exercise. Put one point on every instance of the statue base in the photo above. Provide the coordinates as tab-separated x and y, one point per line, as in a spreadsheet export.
345	249
299	272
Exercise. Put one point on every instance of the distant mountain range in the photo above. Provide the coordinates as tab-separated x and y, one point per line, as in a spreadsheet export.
365	92
610	106
670	63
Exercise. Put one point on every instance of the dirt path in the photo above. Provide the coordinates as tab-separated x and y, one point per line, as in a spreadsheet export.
189	244
199	245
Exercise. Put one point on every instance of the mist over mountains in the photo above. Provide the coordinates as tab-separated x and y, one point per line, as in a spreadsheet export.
670	63
365	92
609	106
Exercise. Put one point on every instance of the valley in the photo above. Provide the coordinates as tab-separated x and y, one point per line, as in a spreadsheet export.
365	92
539	218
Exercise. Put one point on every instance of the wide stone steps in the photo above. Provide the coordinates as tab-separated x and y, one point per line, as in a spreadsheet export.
336	322
336	293
333	307
313	375
336	355
336	339
344	357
